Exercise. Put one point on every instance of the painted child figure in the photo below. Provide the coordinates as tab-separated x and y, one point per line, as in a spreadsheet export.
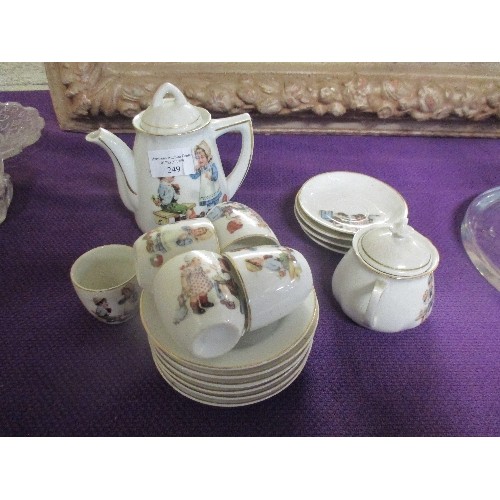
282	263
226	286
207	171
128	300
167	199
196	284
102	309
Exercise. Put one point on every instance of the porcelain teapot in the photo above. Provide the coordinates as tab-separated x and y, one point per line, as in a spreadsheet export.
174	171
385	282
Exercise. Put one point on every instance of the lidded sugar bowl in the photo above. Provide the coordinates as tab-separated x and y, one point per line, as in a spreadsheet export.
385	282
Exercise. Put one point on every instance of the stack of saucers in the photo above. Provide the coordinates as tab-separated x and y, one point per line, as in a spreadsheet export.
332	207
263	363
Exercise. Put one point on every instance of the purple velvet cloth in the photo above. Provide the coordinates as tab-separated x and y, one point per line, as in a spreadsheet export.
62	373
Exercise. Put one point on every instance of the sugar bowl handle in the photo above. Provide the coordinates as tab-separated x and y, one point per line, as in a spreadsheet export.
370	314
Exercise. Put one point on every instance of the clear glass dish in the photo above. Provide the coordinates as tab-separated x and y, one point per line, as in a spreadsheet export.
20	127
481	234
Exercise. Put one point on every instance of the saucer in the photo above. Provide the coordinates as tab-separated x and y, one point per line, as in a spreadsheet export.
229	390
257	351
342	238
349	201
328	246
235	401
322	239
262	364
229	381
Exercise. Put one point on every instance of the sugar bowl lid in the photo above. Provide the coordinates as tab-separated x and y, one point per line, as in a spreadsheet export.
172	115
396	250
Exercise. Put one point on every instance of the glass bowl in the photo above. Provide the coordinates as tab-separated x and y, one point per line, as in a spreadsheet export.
480	232
20	127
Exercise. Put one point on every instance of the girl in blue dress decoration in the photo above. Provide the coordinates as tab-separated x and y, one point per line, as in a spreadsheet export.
208	173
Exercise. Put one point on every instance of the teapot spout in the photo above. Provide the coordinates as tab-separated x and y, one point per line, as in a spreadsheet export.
123	161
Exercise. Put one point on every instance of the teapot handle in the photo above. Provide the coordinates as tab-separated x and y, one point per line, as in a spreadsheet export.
242	124
378	289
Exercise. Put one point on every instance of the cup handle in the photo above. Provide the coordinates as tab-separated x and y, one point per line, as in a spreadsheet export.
378	289
242	124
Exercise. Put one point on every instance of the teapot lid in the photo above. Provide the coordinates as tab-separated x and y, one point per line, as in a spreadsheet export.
396	250
172	115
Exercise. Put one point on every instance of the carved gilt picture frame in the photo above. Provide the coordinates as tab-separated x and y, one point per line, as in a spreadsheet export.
431	99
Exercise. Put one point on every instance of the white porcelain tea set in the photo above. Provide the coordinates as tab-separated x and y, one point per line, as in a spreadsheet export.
229	311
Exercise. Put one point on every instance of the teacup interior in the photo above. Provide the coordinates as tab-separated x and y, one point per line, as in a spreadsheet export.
104	267
250	241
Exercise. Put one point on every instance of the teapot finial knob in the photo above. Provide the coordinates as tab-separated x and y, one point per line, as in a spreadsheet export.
168	88
400	229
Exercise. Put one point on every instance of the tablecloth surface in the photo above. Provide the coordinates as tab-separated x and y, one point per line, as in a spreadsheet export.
62	373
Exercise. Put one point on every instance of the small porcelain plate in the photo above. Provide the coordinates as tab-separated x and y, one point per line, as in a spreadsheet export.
227	390
256	352
324	244
228	382
235	400
323	239
349	201
341	238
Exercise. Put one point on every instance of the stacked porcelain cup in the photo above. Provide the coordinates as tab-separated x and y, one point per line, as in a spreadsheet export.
229	312
332	207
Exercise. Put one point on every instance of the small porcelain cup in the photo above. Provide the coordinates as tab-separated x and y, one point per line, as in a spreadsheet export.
239	226
274	280
199	303
155	247
105	281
